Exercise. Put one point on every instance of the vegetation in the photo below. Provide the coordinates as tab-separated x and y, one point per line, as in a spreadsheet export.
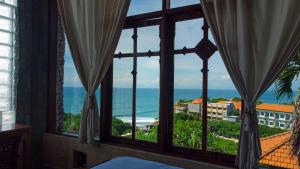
218	99
283	84
187	131
119	127
236	99
71	122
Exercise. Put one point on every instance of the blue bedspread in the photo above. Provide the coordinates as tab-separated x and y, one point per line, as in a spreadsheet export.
132	163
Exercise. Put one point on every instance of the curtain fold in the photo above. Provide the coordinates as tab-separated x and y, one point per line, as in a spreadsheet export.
255	39
93	28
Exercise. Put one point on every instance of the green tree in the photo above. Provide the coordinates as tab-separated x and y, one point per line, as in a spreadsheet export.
237	99
216	100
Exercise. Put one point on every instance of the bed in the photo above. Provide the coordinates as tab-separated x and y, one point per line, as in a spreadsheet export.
132	163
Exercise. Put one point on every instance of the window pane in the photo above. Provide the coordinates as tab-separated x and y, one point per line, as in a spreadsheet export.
144	6
4	91
4	64
4	78
147	99
5	24
148	39
187	130
5	38
188	33
223	109
180	3
11	2
5	51
73	95
122	97
5	11
125	44
4	104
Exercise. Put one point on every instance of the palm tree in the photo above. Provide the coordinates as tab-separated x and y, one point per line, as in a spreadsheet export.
283	86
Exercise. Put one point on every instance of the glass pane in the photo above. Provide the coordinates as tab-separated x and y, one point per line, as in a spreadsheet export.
5	51
5	11
5	38
188	33
8	117
144	6
148	39
4	91
180	3
4	104
11	2
74	95
125	44
187	129
4	64
147	99
122	97
4	78
5	24
223	109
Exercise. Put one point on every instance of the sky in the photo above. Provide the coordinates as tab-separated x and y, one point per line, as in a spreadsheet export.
187	73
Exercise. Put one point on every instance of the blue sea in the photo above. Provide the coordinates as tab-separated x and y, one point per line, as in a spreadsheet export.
147	101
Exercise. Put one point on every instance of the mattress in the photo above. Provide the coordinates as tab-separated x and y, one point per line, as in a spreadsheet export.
132	163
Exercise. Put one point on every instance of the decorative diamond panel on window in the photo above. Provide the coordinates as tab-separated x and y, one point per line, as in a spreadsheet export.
205	49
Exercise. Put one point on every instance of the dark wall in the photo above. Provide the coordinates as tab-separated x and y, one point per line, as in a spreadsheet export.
32	71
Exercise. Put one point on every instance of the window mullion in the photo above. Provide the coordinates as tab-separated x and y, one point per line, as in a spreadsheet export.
204	91
134	72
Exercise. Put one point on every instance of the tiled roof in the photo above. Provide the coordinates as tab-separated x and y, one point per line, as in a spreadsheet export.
237	104
276	107
197	101
276	151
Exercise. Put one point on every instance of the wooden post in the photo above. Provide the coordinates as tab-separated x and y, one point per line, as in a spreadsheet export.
166	99
106	105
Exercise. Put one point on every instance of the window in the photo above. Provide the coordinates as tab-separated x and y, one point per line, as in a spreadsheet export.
136	86
271	115
169	115
282	116
7	58
281	125
261	113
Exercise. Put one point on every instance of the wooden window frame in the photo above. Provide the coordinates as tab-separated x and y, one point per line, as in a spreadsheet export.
165	19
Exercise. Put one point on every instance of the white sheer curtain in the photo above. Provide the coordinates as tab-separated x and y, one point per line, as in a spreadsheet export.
256	38
93	28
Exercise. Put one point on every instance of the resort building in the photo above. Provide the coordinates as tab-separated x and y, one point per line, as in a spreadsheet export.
275	115
220	111
276	151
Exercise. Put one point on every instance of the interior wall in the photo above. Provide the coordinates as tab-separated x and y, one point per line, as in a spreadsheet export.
58	154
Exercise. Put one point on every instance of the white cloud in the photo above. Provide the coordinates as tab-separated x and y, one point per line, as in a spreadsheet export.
226	77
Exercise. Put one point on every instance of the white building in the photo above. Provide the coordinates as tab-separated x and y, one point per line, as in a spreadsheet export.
275	115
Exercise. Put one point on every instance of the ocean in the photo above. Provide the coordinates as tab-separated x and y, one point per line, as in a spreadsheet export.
147	101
